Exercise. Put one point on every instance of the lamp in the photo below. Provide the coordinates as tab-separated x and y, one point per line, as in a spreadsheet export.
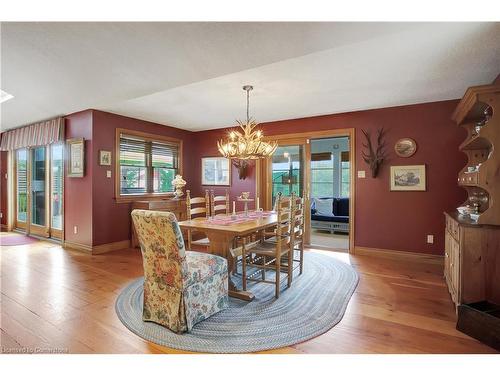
248	144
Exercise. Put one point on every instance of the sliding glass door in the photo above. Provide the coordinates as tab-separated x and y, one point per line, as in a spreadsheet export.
21	181
56	190
39	190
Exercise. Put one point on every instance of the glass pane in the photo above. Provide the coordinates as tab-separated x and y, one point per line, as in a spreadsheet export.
162	180
21	184
56	195
38	186
133	180
345	179
287	173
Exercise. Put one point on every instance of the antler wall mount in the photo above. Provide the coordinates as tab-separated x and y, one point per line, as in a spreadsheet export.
242	166
374	157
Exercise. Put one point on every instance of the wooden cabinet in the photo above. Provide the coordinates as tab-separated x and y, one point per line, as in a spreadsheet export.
472	260
472	246
177	206
479	114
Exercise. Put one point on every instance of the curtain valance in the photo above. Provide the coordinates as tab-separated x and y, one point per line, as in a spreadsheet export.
39	134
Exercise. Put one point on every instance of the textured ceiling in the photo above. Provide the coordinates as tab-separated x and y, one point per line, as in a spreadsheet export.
189	75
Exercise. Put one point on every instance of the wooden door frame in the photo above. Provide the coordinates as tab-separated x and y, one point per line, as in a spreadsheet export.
41	231
262	181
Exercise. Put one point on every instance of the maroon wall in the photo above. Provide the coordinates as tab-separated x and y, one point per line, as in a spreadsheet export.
3	186
78	191
384	219
111	220
205	146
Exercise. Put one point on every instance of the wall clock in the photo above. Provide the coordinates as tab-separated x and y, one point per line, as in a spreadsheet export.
405	147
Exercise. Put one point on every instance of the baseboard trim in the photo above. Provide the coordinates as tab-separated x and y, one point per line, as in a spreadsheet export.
387	253
4	227
99	249
77	246
112	246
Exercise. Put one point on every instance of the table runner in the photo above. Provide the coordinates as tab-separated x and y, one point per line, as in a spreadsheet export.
240	218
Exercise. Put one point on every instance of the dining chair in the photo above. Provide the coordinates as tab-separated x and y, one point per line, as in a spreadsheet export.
261	255
298	231
219	204
181	288
197	207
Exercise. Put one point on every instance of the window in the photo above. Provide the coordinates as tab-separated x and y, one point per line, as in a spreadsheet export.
344	176
147	164
322	174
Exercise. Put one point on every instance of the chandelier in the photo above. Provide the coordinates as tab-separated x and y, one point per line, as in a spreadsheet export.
248	144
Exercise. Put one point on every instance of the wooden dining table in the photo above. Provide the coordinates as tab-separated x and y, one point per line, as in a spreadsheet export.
221	237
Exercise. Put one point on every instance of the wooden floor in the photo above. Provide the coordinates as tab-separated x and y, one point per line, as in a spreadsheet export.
62	300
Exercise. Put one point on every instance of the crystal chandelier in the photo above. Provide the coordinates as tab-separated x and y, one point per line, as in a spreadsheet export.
250	143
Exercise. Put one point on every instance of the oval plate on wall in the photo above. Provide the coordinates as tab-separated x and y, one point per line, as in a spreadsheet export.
405	147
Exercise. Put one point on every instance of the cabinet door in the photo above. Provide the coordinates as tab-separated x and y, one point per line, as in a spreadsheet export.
455	269
447	250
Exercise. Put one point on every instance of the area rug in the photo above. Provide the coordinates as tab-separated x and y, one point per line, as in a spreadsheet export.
16	240
314	303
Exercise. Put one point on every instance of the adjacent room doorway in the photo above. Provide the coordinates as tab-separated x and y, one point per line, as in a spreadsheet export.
318	167
330	191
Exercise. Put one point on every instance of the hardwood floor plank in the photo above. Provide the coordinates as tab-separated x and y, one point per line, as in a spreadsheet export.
57	298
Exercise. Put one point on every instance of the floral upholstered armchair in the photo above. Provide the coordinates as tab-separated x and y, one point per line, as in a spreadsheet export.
181	288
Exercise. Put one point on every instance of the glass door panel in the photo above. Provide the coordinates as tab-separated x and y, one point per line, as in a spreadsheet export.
56	189
287	170
39	198
21	188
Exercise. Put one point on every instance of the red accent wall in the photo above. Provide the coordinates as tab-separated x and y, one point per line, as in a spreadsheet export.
78	191
111	220
3	186
384	219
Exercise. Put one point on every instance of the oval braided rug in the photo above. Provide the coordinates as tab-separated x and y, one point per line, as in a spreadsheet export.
314	303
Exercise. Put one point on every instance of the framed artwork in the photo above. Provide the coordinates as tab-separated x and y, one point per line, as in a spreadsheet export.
405	147
408	178
76	157
215	171
104	157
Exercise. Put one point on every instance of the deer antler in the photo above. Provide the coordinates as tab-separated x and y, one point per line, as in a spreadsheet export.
374	157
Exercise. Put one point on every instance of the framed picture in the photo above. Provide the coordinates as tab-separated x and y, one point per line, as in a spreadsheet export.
76	157
408	178
215	171
405	147
104	157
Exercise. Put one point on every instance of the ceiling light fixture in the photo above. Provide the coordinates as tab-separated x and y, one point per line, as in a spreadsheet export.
250	143
4	96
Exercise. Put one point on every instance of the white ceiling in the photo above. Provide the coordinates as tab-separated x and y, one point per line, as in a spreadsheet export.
189	75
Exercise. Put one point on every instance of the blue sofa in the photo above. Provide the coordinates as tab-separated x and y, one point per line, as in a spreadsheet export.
338	221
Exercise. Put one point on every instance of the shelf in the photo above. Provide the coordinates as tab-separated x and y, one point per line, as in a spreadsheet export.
470	109
475	143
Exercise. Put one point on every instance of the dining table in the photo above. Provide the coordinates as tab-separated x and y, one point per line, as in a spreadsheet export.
222	230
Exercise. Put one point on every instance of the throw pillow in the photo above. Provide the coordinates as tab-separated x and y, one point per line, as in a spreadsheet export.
323	206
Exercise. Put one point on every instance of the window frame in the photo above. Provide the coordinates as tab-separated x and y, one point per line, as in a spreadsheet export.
119	197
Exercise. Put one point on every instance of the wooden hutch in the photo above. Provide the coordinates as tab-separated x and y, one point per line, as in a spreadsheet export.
472	244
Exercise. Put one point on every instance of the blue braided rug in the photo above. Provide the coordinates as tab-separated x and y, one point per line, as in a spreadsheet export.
314	303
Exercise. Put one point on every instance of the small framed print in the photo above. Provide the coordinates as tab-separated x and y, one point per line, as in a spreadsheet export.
104	157
405	147
408	178
215	171
76	157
